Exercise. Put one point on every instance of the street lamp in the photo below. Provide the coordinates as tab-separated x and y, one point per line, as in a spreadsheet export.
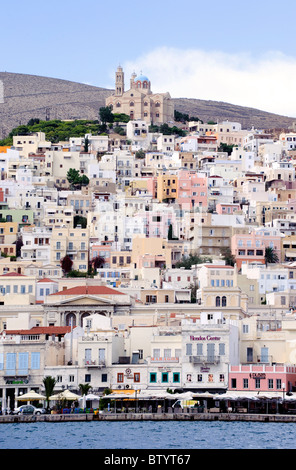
283	389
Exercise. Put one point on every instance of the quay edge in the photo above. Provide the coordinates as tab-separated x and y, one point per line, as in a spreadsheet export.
82	417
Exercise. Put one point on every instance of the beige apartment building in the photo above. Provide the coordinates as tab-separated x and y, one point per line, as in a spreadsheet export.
268	338
139	103
73	243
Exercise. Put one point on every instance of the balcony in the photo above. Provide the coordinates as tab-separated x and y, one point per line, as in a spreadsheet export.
94	364
204	359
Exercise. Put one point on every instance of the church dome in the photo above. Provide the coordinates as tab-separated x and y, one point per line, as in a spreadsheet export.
141	78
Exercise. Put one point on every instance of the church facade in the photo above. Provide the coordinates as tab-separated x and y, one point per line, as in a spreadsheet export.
139	103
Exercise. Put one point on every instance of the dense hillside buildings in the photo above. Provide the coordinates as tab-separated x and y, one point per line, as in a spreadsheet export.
172	267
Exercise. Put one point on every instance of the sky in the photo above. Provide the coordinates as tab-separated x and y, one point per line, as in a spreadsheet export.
237	52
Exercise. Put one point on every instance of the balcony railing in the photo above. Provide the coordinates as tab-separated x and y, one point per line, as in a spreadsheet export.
89	363
204	359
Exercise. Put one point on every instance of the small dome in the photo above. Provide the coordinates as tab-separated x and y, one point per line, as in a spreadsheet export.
141	78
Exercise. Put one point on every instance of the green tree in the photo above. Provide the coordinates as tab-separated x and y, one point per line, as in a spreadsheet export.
227	256
106	114
226	148
85	388
86	144
73	176
49	384
170	233
84	180
192	259
79	220
271	255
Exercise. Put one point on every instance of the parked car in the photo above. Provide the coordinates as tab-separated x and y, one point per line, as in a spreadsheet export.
29	410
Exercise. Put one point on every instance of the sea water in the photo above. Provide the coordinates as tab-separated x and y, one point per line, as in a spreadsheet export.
148	435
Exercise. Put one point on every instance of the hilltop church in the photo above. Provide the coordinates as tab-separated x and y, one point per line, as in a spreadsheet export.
139	102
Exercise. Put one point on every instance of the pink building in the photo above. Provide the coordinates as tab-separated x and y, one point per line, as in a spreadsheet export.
250	247
102	251
192	190
262	378
224	208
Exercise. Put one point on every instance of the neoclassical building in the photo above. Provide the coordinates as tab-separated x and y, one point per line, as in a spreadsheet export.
139	102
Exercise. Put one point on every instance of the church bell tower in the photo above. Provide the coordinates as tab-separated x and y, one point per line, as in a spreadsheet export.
119	82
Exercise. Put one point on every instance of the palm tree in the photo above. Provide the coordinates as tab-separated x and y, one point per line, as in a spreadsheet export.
84	388
271	255
49	384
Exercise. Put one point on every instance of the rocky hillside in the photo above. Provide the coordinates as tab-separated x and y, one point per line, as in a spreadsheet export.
31	96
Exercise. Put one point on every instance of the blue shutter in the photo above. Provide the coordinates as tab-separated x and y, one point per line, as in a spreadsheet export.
1	361
23	363
35	360
10	363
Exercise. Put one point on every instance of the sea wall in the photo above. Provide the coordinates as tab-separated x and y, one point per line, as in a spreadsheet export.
58	418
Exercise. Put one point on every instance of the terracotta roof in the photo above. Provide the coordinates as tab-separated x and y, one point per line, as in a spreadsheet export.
91	290
46	279
12	274
219	266
39	330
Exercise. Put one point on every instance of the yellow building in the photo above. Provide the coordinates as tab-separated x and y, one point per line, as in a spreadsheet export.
167	187
8	236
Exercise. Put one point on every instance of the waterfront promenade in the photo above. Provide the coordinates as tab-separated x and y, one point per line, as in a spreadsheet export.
58	418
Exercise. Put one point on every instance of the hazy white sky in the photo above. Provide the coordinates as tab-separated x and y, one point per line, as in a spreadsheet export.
238	52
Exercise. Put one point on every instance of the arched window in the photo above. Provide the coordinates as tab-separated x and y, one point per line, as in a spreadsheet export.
132	103
71	318
157	104
145	85
145	104
224	301
118	104
218	300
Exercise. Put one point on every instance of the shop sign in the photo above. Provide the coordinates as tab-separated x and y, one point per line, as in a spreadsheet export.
205	338
255	375
205	369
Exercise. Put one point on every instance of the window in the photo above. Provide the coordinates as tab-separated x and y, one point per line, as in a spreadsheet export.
176	377
257	383
199	377
233	383
87	378
156	353
221	349
246	383
152	377
165	377
199	348
71	378
224	301
270	384
59	378
104	377
120	377
221	378
279	384
189	349
137	377
218	301
167	353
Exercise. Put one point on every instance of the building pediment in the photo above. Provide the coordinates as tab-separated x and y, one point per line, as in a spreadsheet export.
85	300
